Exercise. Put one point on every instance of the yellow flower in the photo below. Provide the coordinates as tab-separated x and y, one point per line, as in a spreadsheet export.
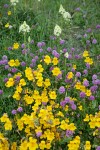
55	61
22	82
88	93
17	63
85	53
80	107
87	118
7	25
9	13
10	82
11	63
14	146
32	144
47	59
47	82
52	94
87	145
42	145
15	46
70	75
56	71
29	73
17	95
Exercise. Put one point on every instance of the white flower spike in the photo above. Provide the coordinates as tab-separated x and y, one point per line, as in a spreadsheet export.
14	2
57	30
24	28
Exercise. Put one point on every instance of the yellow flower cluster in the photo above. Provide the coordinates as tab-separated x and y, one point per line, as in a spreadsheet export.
87	58
79	86
94	121
14	63
74	144
6	120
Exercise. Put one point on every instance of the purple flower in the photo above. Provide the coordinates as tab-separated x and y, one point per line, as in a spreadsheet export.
6	67
73	106
6	6
67	99
49	49
63	103
82	95
36	57
69	133
86	83
96	82
24	51
44	103
32	42
9	74
69	56
39	44
1	92
99	107
64	50
77	57
72	49
93	88
19	109
61	90
94	41
78	74
10	48
59	76
18	78
14	70
85	35
23	45
33	60
55	53
89	30
98	26
62	42
88	66
77	9
85	72
94	77
91	98
23	63
4	57
98	148
40	50
5	80
87	42
14	112
38	134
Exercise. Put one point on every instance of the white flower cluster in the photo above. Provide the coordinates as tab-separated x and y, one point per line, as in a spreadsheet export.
66	15
24	27
13	2
57	30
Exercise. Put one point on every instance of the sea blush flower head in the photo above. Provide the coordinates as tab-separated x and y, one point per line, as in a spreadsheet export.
13	2
24	27
57	30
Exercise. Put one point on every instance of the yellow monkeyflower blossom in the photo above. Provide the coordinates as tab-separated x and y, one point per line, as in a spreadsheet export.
15	46
56	71
47	59
7	25
9	13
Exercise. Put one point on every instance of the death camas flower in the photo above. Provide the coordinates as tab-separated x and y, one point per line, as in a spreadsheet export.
57	30
24	27
13	2
66	15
